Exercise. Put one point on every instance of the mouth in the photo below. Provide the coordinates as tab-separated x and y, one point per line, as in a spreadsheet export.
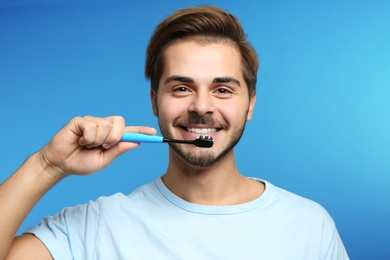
199	126
201	130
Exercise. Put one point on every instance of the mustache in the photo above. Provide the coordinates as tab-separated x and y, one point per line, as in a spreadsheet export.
195	119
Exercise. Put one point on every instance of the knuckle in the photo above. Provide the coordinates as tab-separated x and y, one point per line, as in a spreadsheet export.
90	124
117	119
105	123
87	117
75	120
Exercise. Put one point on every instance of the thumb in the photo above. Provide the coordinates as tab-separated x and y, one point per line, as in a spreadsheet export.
119	149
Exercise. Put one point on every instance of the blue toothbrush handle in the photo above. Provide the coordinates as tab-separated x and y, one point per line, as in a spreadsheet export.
141	138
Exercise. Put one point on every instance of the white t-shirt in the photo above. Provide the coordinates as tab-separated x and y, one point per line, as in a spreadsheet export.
153	223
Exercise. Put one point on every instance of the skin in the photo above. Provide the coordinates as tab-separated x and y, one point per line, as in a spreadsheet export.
205	81
88	140
201	87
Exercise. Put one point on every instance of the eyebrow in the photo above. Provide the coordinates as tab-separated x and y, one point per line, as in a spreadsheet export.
179	78
215	80
227	80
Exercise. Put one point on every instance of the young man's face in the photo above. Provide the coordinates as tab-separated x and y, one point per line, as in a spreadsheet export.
202	92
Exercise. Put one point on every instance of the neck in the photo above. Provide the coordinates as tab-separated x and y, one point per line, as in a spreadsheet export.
219	185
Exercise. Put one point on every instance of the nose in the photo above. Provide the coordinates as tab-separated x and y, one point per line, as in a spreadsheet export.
202	103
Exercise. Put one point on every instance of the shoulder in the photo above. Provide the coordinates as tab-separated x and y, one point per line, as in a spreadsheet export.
120	205
140	194
305	220
81	224
90	212
295	205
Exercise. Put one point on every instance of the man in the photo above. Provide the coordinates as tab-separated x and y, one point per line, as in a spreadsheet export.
203	77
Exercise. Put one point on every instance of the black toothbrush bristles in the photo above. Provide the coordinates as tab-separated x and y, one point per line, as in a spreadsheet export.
201	141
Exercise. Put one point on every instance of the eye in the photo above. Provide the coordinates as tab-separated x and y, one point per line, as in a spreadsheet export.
180	90
223	91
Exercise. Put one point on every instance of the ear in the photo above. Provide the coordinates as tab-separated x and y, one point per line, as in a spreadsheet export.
153	99
252	103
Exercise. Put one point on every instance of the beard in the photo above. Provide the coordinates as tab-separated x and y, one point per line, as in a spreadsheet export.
201	157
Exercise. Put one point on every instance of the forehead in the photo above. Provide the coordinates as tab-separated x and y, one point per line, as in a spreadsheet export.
202	60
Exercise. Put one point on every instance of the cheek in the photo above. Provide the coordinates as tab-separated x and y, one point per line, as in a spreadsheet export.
233	111
169	109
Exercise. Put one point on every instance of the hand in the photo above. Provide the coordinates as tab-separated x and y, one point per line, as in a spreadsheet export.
86	145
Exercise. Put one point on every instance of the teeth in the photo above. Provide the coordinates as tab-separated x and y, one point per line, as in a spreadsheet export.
202	131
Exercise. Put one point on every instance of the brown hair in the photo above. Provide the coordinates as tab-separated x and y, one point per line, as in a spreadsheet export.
205	24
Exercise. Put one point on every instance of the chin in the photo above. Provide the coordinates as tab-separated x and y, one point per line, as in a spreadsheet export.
200	158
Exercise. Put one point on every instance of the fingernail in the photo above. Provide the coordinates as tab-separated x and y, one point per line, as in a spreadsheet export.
106	146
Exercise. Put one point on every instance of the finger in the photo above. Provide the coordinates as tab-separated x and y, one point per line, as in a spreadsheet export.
119	149
87	128
123	147
141	129
94	131
103	130
116	131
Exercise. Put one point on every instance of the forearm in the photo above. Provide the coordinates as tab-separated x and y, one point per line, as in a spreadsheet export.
19	194
83	146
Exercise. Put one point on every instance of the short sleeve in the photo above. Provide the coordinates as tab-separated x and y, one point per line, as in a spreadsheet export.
70	234
332	246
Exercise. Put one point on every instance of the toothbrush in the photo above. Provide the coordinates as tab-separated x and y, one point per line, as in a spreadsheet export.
200	141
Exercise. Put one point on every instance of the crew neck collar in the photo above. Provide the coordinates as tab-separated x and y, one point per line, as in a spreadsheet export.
214	210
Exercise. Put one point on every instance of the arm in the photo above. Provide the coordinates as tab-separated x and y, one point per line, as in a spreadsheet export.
88	139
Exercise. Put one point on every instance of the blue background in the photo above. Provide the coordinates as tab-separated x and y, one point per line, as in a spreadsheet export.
321	125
